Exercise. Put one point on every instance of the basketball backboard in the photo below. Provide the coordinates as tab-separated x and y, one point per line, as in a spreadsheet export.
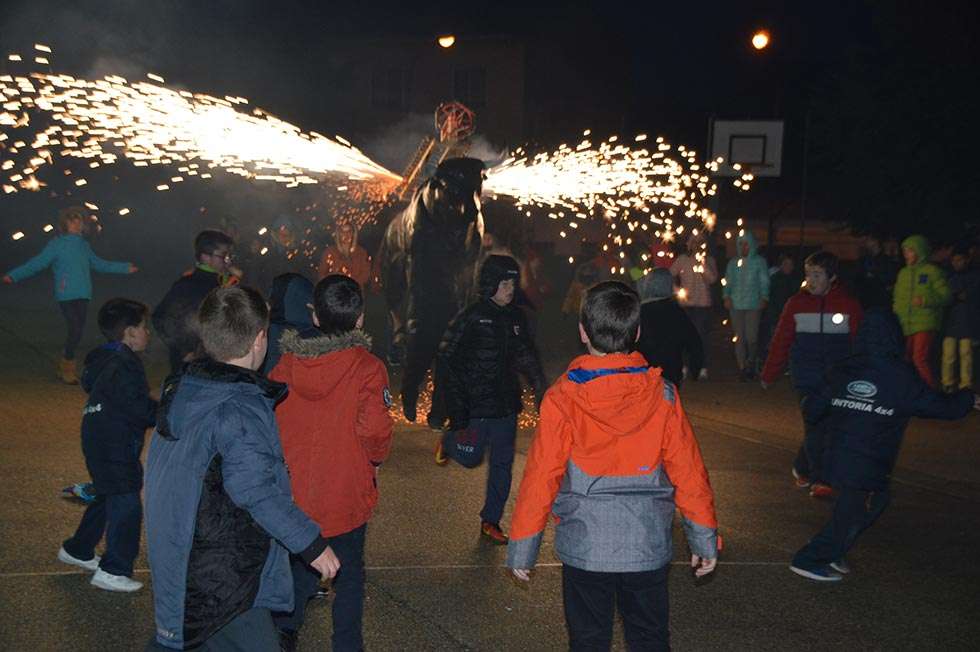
757	145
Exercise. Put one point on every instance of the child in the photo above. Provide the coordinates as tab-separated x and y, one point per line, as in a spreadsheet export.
920	294
962	321
611	457
814	331
72	261
784	281
118	412
345	256
220	522
746	293
479	357
290	308
866	403
696	272
336	432
667	334
173	317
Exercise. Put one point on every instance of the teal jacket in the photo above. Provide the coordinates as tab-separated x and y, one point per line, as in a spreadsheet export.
71	260
920	280
746	279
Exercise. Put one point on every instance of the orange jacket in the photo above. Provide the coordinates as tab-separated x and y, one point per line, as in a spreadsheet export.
334	425
356	264
612	455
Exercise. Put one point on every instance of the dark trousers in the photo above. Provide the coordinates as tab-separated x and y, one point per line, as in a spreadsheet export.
701	317
74	312
854	512
251	631
499	434
119	517
591	598
813	458
348	586
422	345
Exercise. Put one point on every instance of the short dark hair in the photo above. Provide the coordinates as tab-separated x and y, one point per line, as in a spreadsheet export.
825	260
611	316
116	315
208	240
338	303
229	320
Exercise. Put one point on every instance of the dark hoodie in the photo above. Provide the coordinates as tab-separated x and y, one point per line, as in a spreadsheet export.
482	351
289	309
116	415
867	402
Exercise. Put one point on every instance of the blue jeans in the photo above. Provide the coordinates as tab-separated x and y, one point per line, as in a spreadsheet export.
854	512
119	516
813	457
348	585
499	434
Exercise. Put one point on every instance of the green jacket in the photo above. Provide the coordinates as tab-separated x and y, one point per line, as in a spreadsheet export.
920	280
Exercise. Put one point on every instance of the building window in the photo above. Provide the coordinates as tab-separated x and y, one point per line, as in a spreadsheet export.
389	89
470	87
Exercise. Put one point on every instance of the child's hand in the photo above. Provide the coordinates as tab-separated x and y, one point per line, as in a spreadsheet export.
702	566
523	574
327	563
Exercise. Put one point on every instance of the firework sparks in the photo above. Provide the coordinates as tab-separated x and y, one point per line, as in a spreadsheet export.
148	124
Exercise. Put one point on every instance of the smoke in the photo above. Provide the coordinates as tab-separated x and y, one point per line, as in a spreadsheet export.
396	144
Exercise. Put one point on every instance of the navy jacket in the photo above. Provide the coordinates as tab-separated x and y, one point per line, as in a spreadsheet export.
289	309
220	519
868	400
666	335
116	415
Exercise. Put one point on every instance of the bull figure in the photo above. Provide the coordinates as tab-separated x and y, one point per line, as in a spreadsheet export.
428	265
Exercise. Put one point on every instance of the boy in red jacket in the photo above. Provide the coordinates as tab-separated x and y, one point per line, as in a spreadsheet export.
335	431
612	456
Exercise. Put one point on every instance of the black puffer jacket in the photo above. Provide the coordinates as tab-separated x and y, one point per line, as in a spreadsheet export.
118	412
868	400
175	317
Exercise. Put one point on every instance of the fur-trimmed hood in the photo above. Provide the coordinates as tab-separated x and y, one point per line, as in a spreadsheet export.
313	366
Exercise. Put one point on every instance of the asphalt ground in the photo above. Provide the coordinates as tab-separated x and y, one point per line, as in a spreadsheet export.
434	585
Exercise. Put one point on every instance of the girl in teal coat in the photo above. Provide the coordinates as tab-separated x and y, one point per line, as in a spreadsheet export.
746	292
920	295
71	260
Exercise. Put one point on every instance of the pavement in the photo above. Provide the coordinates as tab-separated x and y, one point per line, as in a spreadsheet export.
432	584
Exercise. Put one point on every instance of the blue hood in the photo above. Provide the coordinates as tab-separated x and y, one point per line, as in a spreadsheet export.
880	335
291	296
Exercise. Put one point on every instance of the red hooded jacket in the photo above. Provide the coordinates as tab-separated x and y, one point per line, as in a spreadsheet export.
334	425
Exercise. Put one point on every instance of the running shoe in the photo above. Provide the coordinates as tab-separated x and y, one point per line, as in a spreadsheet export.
493	532
802	482
825	574
440	455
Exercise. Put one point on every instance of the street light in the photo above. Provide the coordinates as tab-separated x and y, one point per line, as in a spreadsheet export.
760	40
446	41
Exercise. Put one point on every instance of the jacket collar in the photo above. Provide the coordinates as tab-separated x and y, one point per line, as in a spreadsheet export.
311	347
209	369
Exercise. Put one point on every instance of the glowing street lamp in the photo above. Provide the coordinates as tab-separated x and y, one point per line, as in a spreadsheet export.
760	40
446	41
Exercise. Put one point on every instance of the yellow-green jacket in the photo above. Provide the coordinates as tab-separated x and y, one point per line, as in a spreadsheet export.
920	280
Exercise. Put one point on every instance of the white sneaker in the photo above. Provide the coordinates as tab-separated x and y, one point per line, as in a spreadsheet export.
703	375
110	582
91	564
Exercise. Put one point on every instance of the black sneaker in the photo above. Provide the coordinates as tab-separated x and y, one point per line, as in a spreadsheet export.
408	408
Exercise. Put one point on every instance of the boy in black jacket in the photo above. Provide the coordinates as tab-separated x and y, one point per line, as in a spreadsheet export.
667	334
479	357
118	412
866	403
174	316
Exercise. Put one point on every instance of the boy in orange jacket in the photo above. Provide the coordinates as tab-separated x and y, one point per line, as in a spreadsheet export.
335	431
612	455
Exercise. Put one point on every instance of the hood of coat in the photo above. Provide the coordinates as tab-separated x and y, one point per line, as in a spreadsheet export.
98	358
618	394
291	297
880	335
312	367
919	245
746	237
210	383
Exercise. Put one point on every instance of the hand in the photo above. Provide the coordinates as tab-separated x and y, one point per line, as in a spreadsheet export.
702	566
133	268
728	303
327	563
8	280
523	574
918	302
